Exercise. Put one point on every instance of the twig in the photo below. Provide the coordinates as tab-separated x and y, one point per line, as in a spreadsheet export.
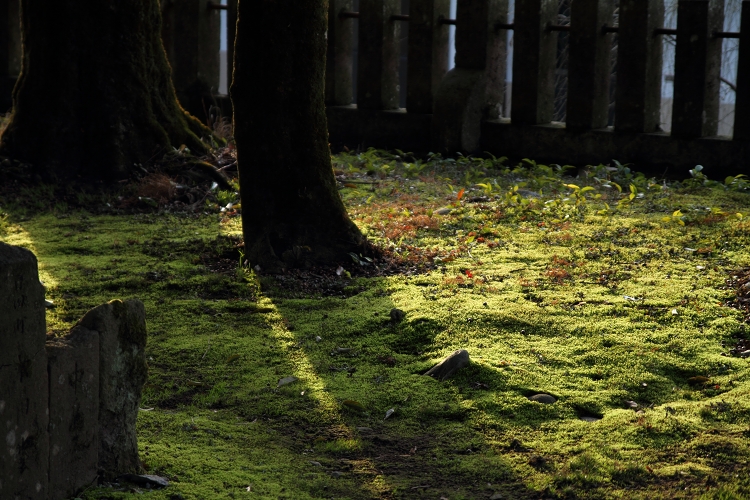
728	83
207	348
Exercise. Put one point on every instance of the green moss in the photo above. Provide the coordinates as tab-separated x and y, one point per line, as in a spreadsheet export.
597	309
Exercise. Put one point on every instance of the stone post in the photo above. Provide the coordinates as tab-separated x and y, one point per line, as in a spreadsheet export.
191	32
534	53
377	69
122	373
231	32
742	98
10	50
697	68
639	66
74	412
473	90
24	449
589	65
428	53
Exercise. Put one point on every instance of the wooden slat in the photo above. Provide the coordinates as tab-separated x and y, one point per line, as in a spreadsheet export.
428	53
378	54
742	97
589	65
231	33
534	53
10	50
339	57
639	66
695	112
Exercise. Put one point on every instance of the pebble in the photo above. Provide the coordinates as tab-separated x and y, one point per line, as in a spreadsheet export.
543	398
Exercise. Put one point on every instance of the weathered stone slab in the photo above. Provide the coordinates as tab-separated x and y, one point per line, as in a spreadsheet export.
122	373
74	411
23	377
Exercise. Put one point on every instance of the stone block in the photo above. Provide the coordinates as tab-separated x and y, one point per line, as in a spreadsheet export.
74	412
122	373
23	377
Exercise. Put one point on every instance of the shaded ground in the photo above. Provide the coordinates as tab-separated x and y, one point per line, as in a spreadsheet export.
626	304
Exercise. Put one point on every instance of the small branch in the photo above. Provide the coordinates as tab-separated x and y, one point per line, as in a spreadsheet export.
728	83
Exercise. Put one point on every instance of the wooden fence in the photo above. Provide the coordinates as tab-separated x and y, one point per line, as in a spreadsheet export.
457	110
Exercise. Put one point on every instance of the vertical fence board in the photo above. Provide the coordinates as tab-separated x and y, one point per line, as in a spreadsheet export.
742	97
471	34
695	112
339	56
589	65
231	33
377	68
10	50
428	53
534	53
497	57
191	33
639	66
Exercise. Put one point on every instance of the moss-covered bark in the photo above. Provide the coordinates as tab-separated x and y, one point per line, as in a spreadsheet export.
95	93
292	214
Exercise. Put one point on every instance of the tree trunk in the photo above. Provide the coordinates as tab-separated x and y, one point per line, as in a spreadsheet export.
95	94
292	214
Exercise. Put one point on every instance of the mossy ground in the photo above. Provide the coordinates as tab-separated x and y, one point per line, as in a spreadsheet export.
596	297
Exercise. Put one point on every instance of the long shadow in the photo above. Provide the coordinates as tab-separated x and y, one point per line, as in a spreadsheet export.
427	448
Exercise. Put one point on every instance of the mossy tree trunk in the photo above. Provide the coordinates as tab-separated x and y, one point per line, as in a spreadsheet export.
95	94
292	214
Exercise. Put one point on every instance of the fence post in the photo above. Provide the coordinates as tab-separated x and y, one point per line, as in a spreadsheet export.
24	455
534	53
742	96
473	90
339	56
697	68
589	65
191	32
428	53
639	66
231	33
377	69
10	50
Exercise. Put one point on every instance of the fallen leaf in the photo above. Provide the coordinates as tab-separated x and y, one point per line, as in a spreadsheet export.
389	413
233	358
354	405
287	380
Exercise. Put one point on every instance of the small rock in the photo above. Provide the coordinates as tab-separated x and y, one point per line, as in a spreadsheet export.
745	354
497	496
443	211
631	404
316	464
397	315
336	474
450	365
543	398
